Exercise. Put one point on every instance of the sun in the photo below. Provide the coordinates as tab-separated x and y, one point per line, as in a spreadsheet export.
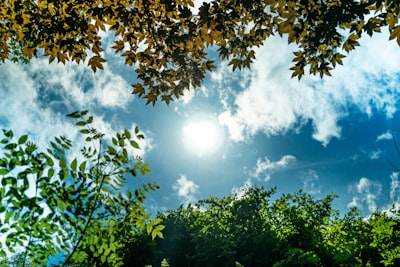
202	135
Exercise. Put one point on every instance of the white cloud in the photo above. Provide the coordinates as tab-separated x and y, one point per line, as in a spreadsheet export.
384	136
187	96
394	195
239	191
22	110
366	191
77	86
395	188
310	180
186	189
265	168
375	154
354	203
145	145
272	103
36	97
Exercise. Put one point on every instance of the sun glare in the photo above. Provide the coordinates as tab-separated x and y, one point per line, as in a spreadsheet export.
202	135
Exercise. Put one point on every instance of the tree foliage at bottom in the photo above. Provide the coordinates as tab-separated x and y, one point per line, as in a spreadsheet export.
295	230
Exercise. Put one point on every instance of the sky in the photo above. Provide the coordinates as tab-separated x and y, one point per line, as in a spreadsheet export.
242	128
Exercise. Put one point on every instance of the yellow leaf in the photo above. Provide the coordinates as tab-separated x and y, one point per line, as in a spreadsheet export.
100	24
28	51
119	45
139	89
199	42
395	33
42	4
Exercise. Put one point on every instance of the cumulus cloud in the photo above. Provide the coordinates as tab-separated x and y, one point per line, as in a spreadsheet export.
264	168
186	189
310	180
35	98
395	188
394	194
366	191
22	110
76	86
239	191
272	103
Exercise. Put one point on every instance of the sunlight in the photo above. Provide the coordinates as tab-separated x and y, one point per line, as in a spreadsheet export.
202	135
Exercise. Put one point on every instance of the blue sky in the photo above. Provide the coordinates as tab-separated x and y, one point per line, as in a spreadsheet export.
261	127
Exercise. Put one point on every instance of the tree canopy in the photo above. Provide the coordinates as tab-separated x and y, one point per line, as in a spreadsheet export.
253	230
167	41
71	209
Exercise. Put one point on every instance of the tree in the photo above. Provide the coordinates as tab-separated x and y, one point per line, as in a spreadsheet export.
15	260
177	245
226	231
254	237
139	249
385	230
167	40
294	230
53	205
298	220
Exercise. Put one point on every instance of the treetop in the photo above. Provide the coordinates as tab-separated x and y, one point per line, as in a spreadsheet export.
166	41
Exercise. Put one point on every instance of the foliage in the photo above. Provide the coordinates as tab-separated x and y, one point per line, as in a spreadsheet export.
167	40
15	260
53	204
293	230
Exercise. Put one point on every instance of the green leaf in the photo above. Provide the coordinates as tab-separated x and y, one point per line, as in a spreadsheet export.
8	180
74	115
8	217
61	205
149	228
111	150
127	134
134	144
114	141
121	142
74	164
82	166
90	120
11	146
8	133
22	139
81	123
3	171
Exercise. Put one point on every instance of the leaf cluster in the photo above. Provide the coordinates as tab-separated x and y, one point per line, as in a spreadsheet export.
167	40
293	230
52	204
